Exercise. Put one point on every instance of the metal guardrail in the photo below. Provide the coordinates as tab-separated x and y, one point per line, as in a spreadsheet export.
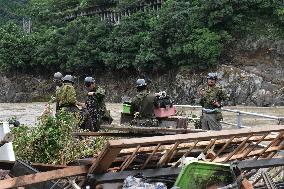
239	115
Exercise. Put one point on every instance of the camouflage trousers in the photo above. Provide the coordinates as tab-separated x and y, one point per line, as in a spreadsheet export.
211	121
90	122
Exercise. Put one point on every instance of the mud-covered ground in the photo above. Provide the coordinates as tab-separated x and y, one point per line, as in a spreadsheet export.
27	113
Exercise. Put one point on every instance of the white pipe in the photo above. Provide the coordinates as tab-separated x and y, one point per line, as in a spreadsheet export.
253	114
236	111
188	106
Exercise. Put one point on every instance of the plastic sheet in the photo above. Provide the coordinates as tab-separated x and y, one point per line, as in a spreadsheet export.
139	183
6	151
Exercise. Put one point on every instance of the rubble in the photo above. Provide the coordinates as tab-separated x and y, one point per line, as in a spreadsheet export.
160	156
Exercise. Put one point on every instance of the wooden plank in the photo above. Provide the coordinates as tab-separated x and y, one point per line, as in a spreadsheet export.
191	148
245	147
173	155
200	144
253	153
105	159
41	177
270	144
150	129
123	143
112	177
115	134
237	149
261	163
164	159
223	148
47	167
124	162
212	142
113	148
7	165
257	143
187	152
277	143
131	158
150	157
271	155
245	184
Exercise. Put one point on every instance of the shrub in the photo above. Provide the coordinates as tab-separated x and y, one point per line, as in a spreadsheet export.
52	141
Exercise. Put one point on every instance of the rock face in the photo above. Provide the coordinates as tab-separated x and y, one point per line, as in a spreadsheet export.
252	73
264	58
243	87
23	88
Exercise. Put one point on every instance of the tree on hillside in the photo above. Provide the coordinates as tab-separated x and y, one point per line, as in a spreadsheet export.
184	33
16	49
12	11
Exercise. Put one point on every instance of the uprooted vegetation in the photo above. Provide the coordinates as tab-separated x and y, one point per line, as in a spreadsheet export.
52	141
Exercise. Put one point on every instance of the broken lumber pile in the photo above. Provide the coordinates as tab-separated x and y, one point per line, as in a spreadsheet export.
164	152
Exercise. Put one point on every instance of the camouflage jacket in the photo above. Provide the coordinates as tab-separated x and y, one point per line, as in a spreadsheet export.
95	105
212	94
143	103
66	96
53	97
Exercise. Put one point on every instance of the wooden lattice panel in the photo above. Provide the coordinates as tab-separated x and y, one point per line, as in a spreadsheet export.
164	151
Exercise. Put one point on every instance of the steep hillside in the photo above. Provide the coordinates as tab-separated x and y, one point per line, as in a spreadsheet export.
12	10
191	34
243	40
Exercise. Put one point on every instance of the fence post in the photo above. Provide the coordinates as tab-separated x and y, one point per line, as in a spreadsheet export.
239	120
280	121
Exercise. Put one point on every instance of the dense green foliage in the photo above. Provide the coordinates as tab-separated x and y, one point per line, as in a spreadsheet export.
183	33
11	10
52	141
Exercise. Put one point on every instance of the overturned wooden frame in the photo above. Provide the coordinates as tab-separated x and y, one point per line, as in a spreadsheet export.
165	151
160	153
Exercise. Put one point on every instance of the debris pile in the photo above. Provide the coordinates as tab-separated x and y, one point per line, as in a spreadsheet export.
252	155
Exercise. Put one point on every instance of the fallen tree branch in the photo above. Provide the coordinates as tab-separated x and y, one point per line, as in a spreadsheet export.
41	177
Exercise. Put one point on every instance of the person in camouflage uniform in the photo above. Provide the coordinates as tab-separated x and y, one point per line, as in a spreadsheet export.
212	97
57	79
95	113
142	106
66	95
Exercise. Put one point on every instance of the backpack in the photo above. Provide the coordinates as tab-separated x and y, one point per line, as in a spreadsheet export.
162	100
66	96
